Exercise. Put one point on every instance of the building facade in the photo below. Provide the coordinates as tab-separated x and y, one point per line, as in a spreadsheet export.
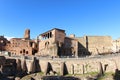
22	46
55	43
116	45
93	45
19	46
3	42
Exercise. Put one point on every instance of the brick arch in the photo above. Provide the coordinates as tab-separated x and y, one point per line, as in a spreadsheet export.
26	52
23	50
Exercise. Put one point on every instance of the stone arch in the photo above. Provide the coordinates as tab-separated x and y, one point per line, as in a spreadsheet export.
20	51
23	50
46	44
50	34
26	52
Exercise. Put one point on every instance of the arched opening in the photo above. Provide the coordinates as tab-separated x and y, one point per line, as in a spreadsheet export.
23	50
26	52
31	44
34	51
46	44
50	34
20	52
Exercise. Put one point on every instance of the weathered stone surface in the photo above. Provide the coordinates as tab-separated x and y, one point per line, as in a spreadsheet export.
48	68
27	34
55	43
18	61
17	78
101	71
72	69
62	69
33	67
24	67
19	46
3	42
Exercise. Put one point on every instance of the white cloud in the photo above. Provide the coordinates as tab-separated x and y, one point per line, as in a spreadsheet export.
8	38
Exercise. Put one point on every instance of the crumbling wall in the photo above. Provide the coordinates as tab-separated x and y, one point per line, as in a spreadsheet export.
27	34
95	44
78	66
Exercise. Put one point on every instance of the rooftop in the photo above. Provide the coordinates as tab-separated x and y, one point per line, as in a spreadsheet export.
52	30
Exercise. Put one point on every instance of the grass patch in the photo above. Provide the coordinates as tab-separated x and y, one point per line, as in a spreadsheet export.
83	75
107	75
41	73
26	78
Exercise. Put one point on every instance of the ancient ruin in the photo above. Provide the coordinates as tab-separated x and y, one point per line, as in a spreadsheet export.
53	53
21	46
55	43
27	34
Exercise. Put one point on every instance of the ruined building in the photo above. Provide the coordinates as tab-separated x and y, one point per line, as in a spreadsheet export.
22	46
116	45
7	66
27	34
3	42
93	45
55	43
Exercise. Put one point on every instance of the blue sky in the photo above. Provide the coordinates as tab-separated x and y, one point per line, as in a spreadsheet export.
79	17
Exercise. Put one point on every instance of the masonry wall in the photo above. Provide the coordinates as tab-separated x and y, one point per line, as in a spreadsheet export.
19	46
70	47
48	46
75	66
3	42
59	36
95	44
116	45
83	66
99	44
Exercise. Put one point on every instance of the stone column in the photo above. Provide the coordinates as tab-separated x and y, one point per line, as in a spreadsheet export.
72	69
27	34
24	67
46	68
62	66
101	72
76	50
22	58
19	68
83	68
33	65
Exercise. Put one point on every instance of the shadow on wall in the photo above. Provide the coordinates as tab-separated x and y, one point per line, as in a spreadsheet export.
65	69
69	48
49	68
59	78
117	75
82	51
35	67
38	68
